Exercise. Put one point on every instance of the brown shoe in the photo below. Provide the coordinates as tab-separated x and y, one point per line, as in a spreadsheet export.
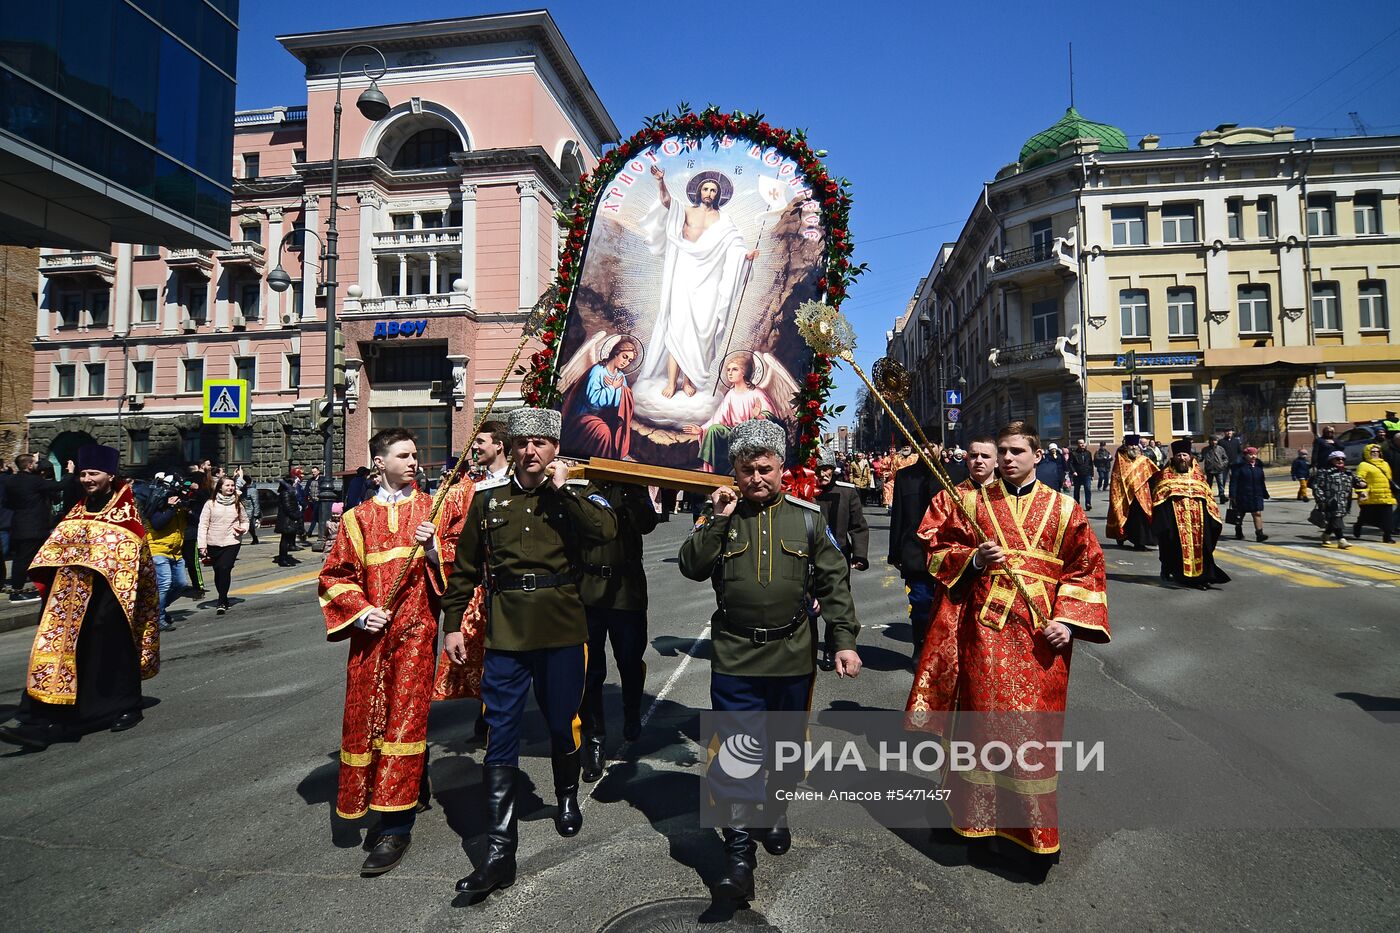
387	852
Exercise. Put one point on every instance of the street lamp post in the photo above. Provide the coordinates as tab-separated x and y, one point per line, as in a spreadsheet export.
374	106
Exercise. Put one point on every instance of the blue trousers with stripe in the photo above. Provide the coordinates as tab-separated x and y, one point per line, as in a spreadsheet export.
506	679
746	700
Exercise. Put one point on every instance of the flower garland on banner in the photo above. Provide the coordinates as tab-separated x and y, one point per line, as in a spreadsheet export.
540	383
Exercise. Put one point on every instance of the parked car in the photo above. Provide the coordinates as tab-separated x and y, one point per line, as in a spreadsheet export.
1354	441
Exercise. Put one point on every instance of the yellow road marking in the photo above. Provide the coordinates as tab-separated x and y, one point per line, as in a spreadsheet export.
1330	561
275	584
1388	557
1302	579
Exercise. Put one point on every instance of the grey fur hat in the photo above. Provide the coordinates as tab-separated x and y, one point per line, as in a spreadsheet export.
756	436
825	458
534	422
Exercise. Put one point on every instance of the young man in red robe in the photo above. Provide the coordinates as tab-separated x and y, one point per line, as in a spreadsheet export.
987	652
390	671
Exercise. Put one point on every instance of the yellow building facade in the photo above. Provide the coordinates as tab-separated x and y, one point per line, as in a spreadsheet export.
1250	274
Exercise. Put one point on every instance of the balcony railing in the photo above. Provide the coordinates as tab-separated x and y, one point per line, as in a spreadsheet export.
1058	252
87	262
1025	352
427	239
1028	256
403	303
1042	356
200	260
244	253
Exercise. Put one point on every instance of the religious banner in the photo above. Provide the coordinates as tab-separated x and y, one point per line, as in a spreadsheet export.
688	251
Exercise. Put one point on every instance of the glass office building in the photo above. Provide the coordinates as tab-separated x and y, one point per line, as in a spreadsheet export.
116	121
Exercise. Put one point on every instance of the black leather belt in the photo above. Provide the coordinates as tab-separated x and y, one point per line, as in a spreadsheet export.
763	636
529	582
598	570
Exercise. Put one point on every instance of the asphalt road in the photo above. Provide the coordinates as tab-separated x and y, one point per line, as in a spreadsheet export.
217	811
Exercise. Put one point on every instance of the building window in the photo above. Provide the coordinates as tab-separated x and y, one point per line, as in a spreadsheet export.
64	380
246	368
1133	312
1264	217
429	425
197	304
252	162
138	447
147	251
1234	207
1371	300
96	380
1042	236
293	370
398	365
250	233
1045	320
190	445
403	221
143	377
1129	226
1186	409
1255	317
194	375
298	155
1179	223
70	310
1366	210
99	308
149	310
240	445
1137	419
296	291
250	301
298	237
1326	310
1181	312
1321	219
431	148
286	444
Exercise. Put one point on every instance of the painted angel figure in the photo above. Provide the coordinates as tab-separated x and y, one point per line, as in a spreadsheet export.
759	387
598	398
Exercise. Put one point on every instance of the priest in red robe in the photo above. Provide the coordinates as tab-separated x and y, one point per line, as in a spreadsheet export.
1186	521
1130	496
390	670
987	652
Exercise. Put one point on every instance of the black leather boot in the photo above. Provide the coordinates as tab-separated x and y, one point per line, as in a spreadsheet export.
1259	535
502	835
740	856
594	758
569	819
776	836
1239	532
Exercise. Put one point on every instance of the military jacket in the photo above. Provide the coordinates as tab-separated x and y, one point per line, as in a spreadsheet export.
613	576
844	515
510	532
756	559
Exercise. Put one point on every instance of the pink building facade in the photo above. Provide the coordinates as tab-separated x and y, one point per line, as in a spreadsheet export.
447	238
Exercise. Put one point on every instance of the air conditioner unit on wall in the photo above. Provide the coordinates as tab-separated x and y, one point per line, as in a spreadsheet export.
189	325
240	321
288	320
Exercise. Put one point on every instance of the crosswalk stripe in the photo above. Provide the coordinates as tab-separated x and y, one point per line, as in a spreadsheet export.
1274	570
1387	557
1331	561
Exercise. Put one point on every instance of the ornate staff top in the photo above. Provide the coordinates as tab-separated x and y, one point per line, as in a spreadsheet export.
892	378
826	329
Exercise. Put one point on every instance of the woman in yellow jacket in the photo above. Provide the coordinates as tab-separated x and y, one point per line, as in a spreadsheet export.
1378	498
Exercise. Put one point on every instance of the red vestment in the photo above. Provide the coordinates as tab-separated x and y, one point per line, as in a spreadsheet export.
389	675
1129	484
984	652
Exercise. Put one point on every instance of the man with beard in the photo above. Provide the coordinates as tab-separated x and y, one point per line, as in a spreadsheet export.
1130	496
97	637
1186	521
840	503
705	263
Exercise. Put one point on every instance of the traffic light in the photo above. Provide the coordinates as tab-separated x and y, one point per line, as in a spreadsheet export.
321	413
1142	393
338	376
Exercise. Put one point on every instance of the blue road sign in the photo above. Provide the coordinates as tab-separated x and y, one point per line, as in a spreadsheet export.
954	415
226	401
952	397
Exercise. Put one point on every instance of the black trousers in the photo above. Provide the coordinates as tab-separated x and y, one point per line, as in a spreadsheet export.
284	547
627	629
24	550
222	558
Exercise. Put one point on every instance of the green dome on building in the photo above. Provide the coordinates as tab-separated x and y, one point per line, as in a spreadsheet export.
1045	146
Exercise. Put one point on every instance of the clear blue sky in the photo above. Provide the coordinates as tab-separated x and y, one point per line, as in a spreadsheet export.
920	102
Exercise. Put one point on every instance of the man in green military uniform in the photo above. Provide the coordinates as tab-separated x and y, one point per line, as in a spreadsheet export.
522	539
767	555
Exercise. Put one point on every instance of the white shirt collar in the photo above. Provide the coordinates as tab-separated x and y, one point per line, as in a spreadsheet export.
388	496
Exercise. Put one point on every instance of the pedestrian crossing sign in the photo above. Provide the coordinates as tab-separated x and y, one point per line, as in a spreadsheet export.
226	401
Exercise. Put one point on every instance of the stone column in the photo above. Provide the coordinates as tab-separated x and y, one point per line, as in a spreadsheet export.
121	319
272	313
469	237
307	311
172	302
370	205
222	296
432	273
529	242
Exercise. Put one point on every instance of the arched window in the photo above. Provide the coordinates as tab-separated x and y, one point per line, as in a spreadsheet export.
429	148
